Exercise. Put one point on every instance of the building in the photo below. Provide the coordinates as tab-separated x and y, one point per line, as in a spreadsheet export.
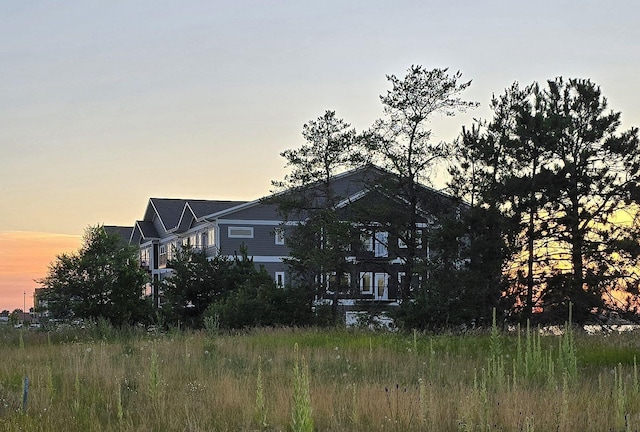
222	227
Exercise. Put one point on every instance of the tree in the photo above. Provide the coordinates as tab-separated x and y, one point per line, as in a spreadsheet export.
501	168
402	143
234	289
554	167
596	175
102	280
320	245
194	284
259	302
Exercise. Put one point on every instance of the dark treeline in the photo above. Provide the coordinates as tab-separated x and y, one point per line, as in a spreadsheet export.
545	206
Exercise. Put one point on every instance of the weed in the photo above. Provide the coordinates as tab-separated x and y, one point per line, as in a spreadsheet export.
301	419
212	325
469	382
154	374
260	411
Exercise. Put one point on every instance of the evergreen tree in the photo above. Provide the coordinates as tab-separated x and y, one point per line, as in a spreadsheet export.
401	142
501	168
320	245
596	172
553	166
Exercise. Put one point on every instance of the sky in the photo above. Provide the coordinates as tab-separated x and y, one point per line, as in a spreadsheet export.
104	104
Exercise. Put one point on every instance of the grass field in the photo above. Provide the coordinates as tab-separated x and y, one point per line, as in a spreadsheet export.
97	379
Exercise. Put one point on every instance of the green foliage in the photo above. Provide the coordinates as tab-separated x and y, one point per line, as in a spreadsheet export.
402	143
320	245
260	410
539	164
123	384
154	375
102	280
228	293
196	282
259	302
329	150
464	277
301	418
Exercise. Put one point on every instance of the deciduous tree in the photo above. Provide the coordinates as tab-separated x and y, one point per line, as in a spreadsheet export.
102	280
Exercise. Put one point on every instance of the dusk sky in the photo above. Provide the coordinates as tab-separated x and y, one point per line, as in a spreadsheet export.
106	104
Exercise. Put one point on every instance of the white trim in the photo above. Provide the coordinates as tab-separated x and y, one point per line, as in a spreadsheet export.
184	209
355	197
250	222
279	236
158	214
281	283
264	200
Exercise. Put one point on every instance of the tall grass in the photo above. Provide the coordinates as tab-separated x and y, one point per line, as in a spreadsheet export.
336	380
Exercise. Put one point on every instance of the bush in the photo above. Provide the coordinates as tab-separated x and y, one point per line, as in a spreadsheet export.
262	305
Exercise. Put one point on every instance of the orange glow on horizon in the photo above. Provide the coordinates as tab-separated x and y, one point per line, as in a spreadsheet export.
25	257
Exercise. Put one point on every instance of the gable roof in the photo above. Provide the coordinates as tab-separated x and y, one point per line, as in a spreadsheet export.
195	210
344	184
176	215
200	209
147	230
122	231
168	210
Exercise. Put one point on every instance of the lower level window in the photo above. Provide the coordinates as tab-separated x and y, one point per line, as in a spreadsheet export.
279	279
366	282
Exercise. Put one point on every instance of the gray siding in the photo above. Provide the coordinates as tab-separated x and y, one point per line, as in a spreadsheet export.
262	243
272	268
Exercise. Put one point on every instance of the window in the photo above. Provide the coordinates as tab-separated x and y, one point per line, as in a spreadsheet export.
240	232
279	236
211	237
376	242
367	242
366	282
381	243
403	245
376	284
145	258
163	256
382	286
331	282
280	279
